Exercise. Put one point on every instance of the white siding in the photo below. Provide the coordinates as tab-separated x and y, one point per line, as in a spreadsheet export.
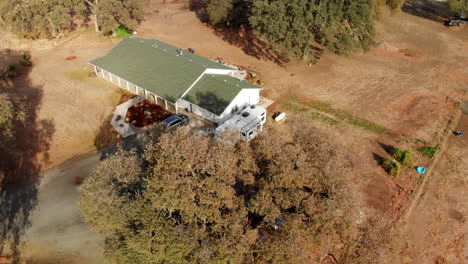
245	98
219	71
198	110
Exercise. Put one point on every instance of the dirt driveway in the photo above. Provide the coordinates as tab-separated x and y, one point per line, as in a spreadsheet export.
42	223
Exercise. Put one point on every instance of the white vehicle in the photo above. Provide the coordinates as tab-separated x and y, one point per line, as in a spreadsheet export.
247	123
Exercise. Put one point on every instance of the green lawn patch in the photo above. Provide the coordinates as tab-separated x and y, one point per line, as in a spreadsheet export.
420	141
428	151
313	115
347	117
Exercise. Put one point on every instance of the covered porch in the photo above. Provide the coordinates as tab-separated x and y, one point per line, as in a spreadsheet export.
124	84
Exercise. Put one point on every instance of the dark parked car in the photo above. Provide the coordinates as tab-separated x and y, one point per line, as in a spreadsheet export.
458	20
175	120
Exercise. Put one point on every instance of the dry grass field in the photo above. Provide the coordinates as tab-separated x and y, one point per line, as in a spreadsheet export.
437	227
386	97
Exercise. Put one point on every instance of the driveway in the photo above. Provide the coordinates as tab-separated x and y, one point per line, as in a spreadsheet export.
41	223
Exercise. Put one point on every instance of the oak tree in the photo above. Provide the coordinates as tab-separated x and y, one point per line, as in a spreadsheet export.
205	200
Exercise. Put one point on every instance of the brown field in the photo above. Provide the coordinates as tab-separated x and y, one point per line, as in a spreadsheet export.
437	227
411	91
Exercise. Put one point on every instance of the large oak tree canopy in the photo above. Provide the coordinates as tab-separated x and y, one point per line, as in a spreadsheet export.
45	19
203	200
297	29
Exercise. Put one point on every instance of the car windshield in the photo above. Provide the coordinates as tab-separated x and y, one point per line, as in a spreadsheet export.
171	120
174	123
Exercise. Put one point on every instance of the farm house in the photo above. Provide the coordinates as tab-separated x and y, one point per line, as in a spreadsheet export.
175	78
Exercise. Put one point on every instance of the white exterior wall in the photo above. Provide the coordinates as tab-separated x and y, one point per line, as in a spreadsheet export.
219	71
245	97
198	110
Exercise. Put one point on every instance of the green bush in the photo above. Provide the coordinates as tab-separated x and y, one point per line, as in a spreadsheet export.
428	151
26	57
392	167
123	32
11	68
405	157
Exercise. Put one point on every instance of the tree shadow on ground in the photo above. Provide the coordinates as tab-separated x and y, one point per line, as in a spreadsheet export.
378	158
108	141
239	36
250	44
198	7
106	137
430	9
22	157
386	147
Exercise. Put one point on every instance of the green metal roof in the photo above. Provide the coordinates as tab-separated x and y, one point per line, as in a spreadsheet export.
215	92
156	66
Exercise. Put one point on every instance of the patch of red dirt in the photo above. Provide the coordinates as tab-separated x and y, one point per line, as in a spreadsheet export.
70	58
145	114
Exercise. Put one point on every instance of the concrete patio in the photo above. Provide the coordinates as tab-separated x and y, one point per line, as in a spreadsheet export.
118	120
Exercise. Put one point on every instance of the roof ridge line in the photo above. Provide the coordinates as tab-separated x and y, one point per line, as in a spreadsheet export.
193	84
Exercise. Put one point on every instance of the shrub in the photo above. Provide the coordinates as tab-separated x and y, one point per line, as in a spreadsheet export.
26	60
407	158
428	151
11	68
403	156
123	32
392	167
26	57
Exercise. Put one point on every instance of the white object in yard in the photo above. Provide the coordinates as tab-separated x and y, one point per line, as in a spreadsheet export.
280	117
247	122
135	32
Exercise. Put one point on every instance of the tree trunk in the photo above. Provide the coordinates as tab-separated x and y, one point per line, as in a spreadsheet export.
96	26
53	28
94	15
